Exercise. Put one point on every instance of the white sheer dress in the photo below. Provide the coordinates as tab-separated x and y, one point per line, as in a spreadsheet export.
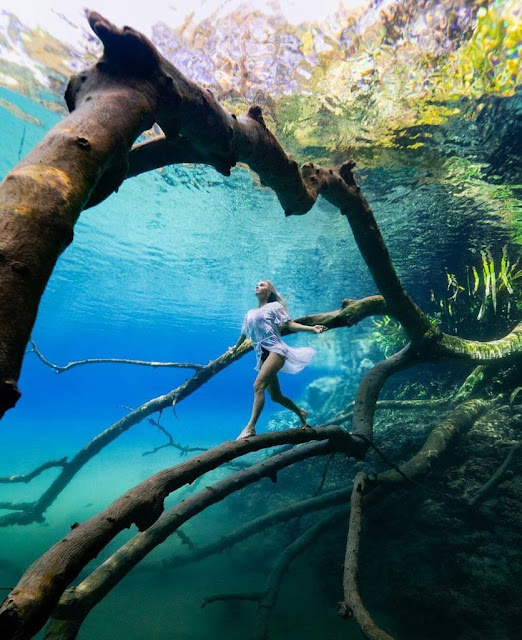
262	326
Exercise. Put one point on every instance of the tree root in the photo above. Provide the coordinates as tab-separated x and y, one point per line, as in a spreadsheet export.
352	605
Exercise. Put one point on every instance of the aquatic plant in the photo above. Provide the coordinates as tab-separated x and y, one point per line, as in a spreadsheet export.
387	335
83	160
492	289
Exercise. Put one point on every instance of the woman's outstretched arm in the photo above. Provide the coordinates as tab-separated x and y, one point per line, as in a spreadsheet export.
295	326
239	342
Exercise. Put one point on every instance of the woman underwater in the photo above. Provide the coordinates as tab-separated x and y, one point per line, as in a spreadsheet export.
263	325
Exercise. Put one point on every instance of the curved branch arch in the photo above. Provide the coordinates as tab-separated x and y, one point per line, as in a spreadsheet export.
81	162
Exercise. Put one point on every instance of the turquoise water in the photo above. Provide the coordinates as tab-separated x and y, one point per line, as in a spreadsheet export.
165	270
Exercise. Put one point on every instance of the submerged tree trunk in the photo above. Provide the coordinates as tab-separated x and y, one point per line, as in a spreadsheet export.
41	199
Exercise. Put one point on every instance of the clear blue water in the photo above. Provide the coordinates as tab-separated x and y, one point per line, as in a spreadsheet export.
161	271
165	270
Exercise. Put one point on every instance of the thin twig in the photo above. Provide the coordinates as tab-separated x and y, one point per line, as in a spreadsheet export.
325	473
27	477
170	443
224	597
76	363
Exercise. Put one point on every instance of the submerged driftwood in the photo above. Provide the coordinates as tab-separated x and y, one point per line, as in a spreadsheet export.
81	162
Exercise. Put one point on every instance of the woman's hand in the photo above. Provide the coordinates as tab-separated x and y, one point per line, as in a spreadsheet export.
296	326
239	342
318	328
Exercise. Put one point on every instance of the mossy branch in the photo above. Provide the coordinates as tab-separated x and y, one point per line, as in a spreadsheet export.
462	417
504	349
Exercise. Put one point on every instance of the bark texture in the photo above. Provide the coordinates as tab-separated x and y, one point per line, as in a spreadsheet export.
77	602
41	198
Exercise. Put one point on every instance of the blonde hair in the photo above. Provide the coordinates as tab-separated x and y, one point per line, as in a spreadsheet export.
274	296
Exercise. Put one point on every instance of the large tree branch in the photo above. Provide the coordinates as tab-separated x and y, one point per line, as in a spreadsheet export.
31	602
371	385
78	601
460	418
41	198
436	444
297	192
324	501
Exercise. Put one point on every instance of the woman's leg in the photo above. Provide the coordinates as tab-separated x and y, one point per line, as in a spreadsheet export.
268	370
274	390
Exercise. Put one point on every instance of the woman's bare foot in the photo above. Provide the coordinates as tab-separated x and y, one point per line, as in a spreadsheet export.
247	433
302	415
